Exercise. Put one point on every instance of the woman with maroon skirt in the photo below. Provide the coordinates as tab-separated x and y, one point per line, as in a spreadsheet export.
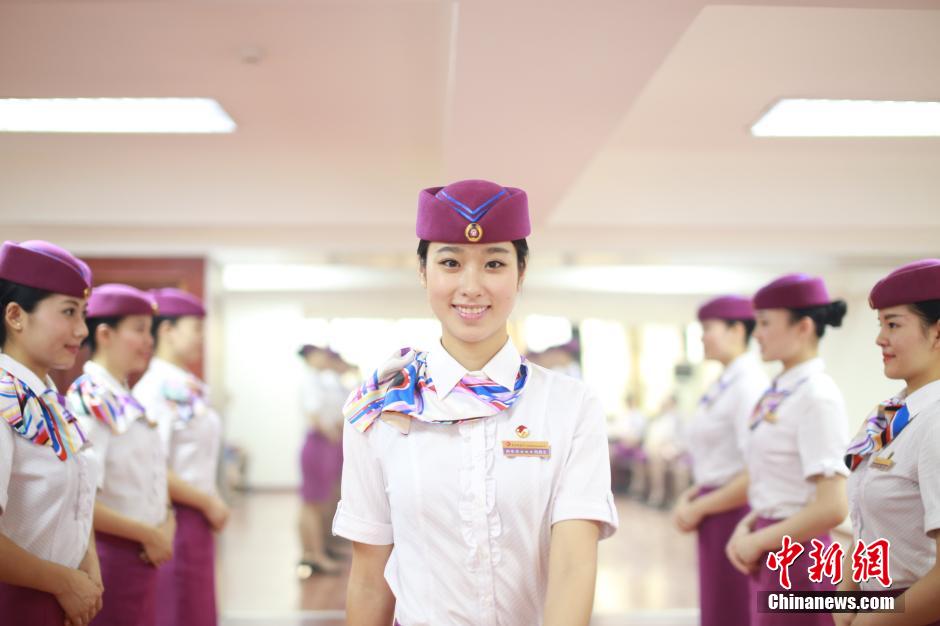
133	530
717	501
894	488
192	435
321	460
49	574
798	433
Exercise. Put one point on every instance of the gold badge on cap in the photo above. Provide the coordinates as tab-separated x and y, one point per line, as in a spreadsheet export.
474	232
86	293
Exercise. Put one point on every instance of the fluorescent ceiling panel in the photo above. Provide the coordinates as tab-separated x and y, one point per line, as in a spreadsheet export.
114	115
849	118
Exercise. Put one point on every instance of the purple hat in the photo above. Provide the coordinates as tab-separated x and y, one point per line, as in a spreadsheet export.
46	266
473	211
177	303
727	308
792	291
114	300
914	282
308	348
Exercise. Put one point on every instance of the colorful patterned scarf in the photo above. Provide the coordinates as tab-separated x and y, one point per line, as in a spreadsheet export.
715	391
402	385
118	412
880	428
766	407
189	396
41	419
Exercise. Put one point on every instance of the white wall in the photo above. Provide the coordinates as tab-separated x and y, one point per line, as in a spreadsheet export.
255	371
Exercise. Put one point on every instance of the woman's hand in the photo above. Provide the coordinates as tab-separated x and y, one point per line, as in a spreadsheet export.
687	515
79	596
217	512
158	548
740	548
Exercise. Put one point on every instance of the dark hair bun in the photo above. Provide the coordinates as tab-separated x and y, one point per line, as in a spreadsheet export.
835	312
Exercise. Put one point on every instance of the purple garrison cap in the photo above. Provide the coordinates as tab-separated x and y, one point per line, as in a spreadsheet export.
46	266
307	348
473	211
115	300
914	282
727	308
792	291
177	303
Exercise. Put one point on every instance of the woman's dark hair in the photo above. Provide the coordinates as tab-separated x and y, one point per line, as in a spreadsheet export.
928	311
521	246
748	327
26	297
155	327
825	315
93	323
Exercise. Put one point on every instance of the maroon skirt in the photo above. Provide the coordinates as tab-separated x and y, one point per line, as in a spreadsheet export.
130	584
186	583
30	606
321	465
766	579
724	592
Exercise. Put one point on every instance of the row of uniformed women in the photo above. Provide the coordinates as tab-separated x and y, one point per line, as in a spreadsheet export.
87	531
771	461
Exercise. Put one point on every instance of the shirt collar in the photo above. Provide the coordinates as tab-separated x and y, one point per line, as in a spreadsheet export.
791	377
446	372
923	398
102	375
26	375
738	365
167	369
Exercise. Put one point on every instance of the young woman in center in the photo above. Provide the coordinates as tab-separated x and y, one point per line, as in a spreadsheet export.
717	501
798	434
475	485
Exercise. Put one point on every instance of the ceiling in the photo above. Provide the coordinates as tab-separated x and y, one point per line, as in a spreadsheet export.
626	120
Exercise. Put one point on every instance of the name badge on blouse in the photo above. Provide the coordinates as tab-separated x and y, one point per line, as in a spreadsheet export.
884	463
538	449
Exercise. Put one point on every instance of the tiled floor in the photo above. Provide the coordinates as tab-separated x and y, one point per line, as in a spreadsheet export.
646	573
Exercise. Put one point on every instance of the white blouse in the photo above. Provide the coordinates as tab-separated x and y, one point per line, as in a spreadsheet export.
192	445
471	527
717	435
46	505
901	503
131	466
806	437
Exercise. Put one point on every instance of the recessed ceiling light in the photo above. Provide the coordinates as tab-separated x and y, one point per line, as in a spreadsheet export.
114	115
849	118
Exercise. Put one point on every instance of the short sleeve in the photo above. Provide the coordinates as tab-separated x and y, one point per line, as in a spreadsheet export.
99	435
363	514
583	490
928	473
822	437
6	463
